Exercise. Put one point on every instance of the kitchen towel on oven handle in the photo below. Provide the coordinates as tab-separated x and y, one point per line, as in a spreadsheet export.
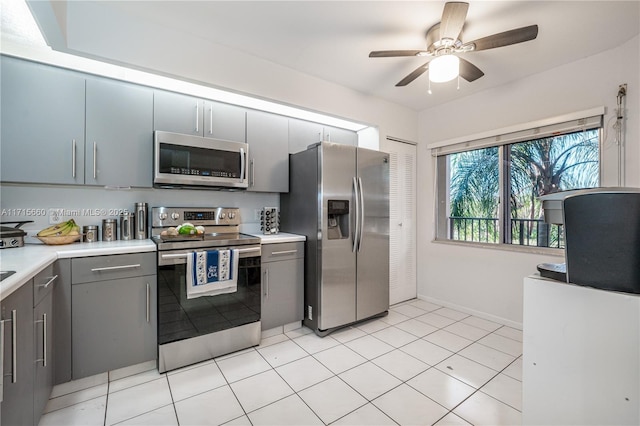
212	272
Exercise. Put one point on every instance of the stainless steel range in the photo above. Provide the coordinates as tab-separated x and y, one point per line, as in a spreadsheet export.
194	330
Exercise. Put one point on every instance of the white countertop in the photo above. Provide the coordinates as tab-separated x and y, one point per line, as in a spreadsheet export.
281	237
27	261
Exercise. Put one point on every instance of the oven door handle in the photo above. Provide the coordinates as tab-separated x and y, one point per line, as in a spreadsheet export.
172	257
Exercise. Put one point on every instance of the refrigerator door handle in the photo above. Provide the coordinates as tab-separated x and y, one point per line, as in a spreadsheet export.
361	208
356	228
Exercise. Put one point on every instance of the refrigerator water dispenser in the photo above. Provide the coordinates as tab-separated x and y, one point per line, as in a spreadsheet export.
338	219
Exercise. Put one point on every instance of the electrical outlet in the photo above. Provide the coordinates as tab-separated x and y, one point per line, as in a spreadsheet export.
55	216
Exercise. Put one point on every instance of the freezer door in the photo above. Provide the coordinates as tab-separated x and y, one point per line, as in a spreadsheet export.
373	249
337	289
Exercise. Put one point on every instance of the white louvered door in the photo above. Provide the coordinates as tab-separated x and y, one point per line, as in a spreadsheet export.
402	217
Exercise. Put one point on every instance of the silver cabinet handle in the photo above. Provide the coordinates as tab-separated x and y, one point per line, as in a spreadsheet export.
266	283
14	358
73	158
253	172
197	113
242	164
211	120
357	209
51	279
114	268
278	253
44	340
95	159
148	302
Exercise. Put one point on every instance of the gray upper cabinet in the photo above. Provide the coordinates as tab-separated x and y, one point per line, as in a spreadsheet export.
268	152
119	125
341	136
42	123
178	113
174	112
224	121
302	134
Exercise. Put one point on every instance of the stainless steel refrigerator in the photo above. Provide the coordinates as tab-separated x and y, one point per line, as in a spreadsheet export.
339	199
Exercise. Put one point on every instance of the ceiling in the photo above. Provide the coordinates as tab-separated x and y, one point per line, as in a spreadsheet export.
331	40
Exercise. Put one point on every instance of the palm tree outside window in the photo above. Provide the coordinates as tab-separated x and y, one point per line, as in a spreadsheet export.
472	183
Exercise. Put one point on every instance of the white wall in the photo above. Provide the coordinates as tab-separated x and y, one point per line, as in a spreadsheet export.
489	281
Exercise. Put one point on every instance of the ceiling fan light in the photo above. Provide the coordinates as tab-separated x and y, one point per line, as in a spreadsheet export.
444	68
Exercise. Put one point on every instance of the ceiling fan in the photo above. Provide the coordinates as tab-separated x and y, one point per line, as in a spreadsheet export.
443	43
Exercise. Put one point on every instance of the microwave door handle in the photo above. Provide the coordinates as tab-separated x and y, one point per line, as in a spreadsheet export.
242	164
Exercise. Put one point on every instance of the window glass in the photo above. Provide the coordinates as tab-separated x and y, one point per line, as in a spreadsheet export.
472	183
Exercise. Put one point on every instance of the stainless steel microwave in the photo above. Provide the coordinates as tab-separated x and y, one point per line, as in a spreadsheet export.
193	161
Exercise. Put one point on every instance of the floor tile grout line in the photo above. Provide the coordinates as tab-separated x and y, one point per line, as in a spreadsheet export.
106	402
231	389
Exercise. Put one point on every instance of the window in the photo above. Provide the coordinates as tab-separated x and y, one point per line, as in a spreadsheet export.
474	177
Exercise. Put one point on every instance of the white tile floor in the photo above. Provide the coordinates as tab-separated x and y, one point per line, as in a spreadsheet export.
420	365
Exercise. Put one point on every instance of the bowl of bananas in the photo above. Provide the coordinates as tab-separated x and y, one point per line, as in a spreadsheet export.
62	233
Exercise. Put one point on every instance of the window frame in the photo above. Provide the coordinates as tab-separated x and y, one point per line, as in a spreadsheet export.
502	138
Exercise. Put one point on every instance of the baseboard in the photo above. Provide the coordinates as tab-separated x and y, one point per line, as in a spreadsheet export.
479	314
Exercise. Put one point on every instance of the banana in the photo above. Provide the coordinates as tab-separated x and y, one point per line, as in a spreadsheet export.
60	229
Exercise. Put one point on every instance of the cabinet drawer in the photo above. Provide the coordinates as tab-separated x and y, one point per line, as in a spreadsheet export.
99	268
43	283
282	251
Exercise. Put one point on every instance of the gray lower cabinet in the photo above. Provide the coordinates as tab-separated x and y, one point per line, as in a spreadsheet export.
267	136
42	123
62	321
282	284
17	357
114	312
27	357
119	134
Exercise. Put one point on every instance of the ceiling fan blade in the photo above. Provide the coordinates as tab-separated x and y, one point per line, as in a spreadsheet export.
468	71
415	74
506	38
394	53
453	17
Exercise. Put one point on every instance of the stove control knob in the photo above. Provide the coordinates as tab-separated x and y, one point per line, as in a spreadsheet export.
231	215
223	215
175	215
162	216
13	242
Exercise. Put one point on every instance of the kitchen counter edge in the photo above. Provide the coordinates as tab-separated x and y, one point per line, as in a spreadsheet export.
29	260
281	237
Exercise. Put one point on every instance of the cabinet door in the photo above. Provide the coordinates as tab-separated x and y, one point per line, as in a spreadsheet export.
174	112
62	320
43	328
268	152
224	121
18	357
282	292
114	324
302	134
341	136
119	134
42	123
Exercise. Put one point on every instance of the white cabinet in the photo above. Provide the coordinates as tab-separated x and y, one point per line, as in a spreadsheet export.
268	152
581	361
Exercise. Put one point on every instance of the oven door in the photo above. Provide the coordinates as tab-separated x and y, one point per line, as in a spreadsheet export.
180	318
185	160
